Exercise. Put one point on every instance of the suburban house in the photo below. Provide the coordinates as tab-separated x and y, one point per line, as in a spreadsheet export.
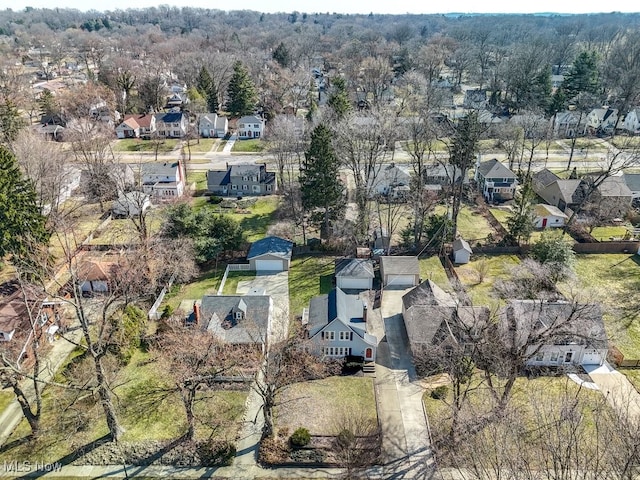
270	254
211	125
162	181
612	197
336	324
561	193
171	125
601	120
475	99
439	174
631	122
402	272
354	274
177	99
461	251
388	178
134	126
434	320
94	277
234	319
250	126
242	179
131	204
569	124
548	216
632	180
496	182
574	333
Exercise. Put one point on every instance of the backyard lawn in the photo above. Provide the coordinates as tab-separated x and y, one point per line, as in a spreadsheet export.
319	405
147	411
122	231
614	281
233	278
432	269
260	214
309	276
248	146
472	226
495	267
607	233
633	374
207	283
80	219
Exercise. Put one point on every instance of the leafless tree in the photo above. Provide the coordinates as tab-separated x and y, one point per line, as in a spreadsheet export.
357	442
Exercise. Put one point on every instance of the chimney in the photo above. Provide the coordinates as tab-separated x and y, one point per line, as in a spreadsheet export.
196	313
364	313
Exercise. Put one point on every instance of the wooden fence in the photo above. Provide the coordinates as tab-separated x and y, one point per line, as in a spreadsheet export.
607	247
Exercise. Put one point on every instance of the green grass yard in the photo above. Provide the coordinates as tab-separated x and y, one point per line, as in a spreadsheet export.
248	146
497	267
614	281
202	145
472	226
605	234
309	276
207	283
320	404
138	145
233	278
260	215
432	269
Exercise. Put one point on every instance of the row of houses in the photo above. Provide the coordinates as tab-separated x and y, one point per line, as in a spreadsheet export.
175	124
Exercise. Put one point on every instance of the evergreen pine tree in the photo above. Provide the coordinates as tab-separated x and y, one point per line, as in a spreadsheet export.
204	81
242	93
10	122
338	101
23	225
212	98
521	220
320	183
281	55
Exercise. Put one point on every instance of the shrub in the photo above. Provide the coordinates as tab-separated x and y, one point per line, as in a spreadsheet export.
214	199
216	452
300	438
440	392
167	311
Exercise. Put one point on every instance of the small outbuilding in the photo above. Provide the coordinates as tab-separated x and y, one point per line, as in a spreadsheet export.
354	274
399	271
548	216
270	254
461	251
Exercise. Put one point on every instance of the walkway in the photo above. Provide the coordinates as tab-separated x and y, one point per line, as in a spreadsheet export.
616	388
229	145
405	434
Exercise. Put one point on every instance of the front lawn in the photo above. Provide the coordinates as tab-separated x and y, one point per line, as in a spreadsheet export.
146	409
203	145
614	281
320	405
138	145
432	269
494	267
248	146
200	179
309	276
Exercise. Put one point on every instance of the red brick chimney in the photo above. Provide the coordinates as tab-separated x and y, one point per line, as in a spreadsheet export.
196	313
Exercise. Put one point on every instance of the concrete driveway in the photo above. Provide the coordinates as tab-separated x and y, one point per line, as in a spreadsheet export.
617	389
277	286
405	440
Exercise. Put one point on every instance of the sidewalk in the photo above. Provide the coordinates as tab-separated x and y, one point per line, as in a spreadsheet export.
229	145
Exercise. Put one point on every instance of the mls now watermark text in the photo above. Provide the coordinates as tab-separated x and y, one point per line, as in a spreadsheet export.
27	466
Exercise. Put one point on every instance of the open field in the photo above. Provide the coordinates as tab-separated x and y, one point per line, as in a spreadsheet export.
496	267
614	281
331	399
309	276
432	269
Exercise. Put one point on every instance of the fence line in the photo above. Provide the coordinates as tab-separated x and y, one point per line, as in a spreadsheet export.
232	267
153	312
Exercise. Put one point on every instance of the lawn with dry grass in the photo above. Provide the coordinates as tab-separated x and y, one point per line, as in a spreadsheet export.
318	405
309	276
432	269
494	267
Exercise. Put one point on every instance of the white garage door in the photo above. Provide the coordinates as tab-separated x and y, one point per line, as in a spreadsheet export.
400	280
356	283
269	265
591	358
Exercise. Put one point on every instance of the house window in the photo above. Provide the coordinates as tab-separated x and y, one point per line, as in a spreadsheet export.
345	336
256	188
245	187
176	133
244	179
328	335
336	351
268	188
256	126
43	319
539	356
554	356
568	357
238	315
177	125
234	187
256	134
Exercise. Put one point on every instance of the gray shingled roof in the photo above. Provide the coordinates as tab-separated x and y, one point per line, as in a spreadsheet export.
400	265
614	187
568	188
245	169
216	178
157	168
433	324
565	322
494	169
461	244
428	293
633	181
218	310
272	245
354	267
544	178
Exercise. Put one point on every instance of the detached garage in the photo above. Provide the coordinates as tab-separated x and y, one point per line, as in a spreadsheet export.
271	254
354	274
401	272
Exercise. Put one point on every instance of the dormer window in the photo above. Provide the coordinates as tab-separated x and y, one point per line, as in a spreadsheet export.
239	315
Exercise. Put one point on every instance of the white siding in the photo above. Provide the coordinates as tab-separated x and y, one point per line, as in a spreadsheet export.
269	265
354	283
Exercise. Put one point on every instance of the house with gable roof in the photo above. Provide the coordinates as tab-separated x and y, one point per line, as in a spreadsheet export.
212	125
171	124
162	181
354	273
602	120
270	254
496	182
250	126
242	179
137	126
631	122
336	325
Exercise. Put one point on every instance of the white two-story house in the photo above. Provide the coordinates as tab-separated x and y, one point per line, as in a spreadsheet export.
336	324
250	126
162	181
171	125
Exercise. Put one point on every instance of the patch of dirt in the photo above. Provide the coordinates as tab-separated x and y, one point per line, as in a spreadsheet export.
435	381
